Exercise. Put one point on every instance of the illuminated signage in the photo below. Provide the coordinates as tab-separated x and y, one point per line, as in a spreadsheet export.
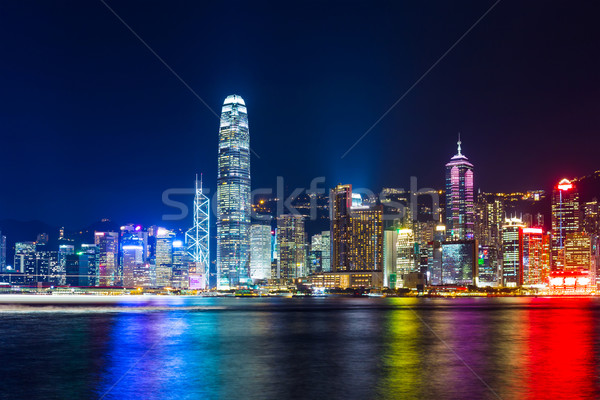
533	230
565	184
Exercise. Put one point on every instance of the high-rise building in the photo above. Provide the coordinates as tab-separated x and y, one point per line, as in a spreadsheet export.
164	257
488	265
197	239
578	251
71	267
489	217
181	265
25	261
108	257
390	257
292	246
233	194
512	273
325	251
356	232
89	273
366	245
434	256
46	261
134	250
460	262
260	252
339	215
459	197
590	216
534	256
407	260
2	253
315	254
565	219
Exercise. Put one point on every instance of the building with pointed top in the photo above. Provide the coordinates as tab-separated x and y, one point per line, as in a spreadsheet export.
233	195
460	217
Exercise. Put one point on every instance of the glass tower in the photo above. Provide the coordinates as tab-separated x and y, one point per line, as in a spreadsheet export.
459	197
233	194
565	219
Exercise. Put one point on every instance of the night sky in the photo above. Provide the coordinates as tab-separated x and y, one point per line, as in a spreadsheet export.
94	126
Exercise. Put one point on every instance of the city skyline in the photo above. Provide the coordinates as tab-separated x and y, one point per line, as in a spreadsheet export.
392	199
504	98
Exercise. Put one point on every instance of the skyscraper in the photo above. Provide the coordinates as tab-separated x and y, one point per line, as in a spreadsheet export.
89	274
108	256
134	247
197	238
164	257
260	252
459	197
534	249
405	251
340	205
181	265
366	245
356	232
512	272
390	256
233	194
2	252
292	246
565	219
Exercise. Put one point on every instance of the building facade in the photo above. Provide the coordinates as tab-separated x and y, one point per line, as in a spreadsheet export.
292	246
108	257
460	218
565	219
260	252
233	194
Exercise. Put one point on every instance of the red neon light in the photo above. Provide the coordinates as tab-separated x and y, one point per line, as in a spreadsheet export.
565	184
533	230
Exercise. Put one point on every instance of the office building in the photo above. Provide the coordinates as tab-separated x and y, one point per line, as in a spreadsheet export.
164	257
89	272
534	256
292	246
233	194
459	197
260	252
459	262
512	273
356	232
108	257
565	219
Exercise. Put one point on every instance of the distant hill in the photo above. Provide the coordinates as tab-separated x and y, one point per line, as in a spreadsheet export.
588	186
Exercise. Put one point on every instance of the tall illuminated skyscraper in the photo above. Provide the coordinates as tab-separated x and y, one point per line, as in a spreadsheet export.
108	257
197	240
233	194
356	232
260	252
512	272
340	206
534	249
565	219
164	256
459	197
292	246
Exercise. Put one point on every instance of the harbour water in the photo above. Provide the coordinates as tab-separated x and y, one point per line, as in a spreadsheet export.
162	347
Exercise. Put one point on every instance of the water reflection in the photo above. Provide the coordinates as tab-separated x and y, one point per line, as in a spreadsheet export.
561	358
402	364
306	348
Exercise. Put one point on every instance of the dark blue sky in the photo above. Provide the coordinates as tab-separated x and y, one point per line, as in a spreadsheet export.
94	126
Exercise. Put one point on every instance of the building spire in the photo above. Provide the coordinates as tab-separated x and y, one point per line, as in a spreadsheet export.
458	143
